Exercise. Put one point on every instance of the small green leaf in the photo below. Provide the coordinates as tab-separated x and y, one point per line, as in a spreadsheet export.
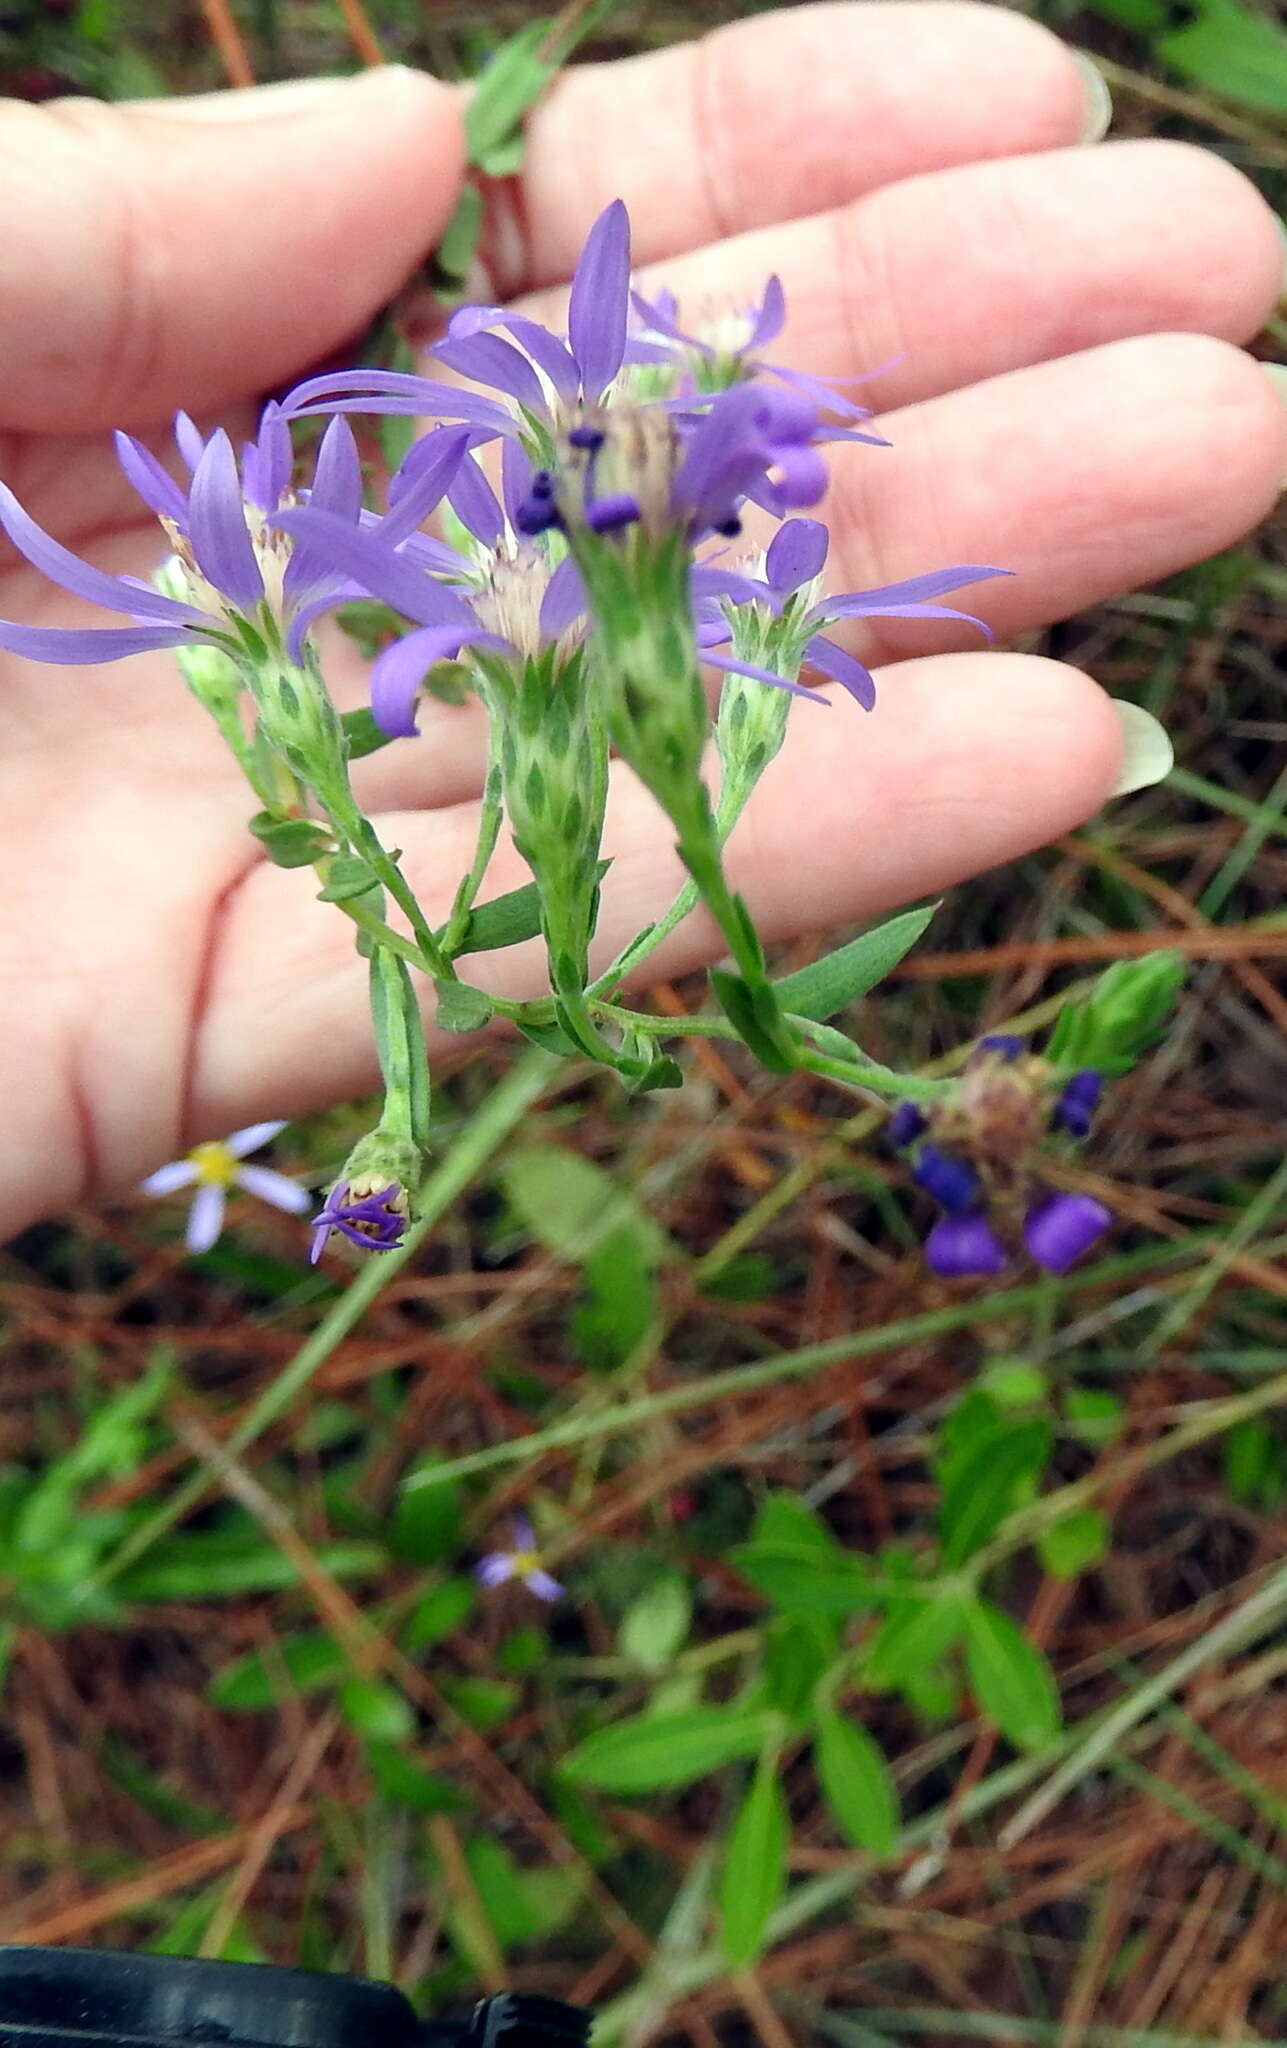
362	736
426	1521
799	1650
839	979
1094	1415
484	1702
914	1635
1253	1463
462	1008
376	1710
755	1866
347	876
656	1623
800	1581
658	1752
856	1784
299	1664
511	83
572	1206
1231	51
620	1300
784	1519
403	1782
508	920
1010	1678
983	1484
1074	1543
291	842
441	1612
759	1024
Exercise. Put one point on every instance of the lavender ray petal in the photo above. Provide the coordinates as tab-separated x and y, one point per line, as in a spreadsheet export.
431	554
167	1180
71	646
422	480
1059	1230
798	478
397	673
854	604
524	1533
396	392
599	301
728	666
251	1136
770	317
547	352
843	668
275	1188
273	460
312	609
70	573
494	1569
517	471
959	1246
337	489
490	359
710	581
154	484
796	554
366	557
221	542
544	1587
205	1218
661	315
822	390
475	503
467	321
564	601
189	439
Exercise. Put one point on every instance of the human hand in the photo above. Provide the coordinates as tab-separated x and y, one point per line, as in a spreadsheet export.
1066	403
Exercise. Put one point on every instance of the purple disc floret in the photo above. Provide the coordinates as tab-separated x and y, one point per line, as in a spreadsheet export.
374	1222
1060	1228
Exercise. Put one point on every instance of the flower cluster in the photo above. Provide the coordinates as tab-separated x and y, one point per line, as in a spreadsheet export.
588	485
976	1152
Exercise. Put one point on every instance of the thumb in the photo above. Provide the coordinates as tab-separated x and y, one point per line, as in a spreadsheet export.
195	251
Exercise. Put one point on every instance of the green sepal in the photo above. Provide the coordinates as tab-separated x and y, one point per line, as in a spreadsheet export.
291	842
754	1015
462	1007
347	875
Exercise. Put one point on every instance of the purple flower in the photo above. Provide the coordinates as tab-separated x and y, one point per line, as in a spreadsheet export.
953	1183
215	1167
374	1220
1078	1101
580	369
221	529
794	562
905	1125
1060	1228
959	1246
726	351
522	1562
1002	1044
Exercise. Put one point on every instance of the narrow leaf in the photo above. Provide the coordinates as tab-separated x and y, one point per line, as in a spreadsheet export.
658	1752
755	1867
856	1784
841	977
1010	1678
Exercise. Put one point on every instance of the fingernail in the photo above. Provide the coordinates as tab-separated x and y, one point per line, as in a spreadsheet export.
1099	100
1147	753
267	102
1277	375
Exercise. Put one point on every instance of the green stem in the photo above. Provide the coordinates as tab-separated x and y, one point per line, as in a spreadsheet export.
478	1140
490	815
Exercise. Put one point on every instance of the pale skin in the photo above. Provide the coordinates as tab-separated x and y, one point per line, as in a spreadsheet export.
1072	400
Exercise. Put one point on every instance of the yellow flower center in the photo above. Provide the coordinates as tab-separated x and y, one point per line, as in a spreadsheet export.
216	1167
526	1562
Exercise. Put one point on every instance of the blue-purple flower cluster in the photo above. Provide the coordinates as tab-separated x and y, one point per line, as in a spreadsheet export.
976	1153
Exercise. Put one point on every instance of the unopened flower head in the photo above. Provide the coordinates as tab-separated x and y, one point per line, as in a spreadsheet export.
521	1562
370	1203
215	1167
977	1153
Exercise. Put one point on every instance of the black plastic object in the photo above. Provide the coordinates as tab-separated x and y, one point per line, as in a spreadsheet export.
98	1998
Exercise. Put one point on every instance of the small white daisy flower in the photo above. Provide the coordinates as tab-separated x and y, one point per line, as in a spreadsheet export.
215	1167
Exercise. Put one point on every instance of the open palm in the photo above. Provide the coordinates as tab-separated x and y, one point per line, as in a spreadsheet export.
1063	398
